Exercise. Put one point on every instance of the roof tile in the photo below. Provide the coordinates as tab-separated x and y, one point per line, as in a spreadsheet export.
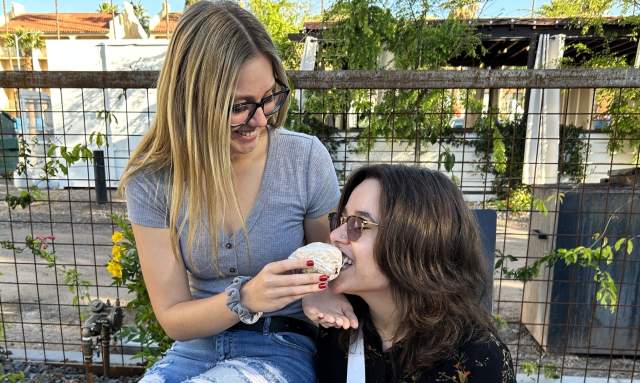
69	22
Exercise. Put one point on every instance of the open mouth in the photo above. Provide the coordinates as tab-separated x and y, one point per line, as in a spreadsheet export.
346	262
248	133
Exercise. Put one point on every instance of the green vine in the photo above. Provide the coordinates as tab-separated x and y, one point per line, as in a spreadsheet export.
358	32
499	146
71	277
590	257
24	199
59	159
54	165
622	105
573	153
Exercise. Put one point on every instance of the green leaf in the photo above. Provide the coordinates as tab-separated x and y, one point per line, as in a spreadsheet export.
52	150
619	243
629	247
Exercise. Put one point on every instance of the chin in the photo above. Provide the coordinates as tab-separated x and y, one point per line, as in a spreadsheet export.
339	286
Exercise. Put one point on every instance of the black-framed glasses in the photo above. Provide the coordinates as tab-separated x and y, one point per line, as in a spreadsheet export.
355	225
243	112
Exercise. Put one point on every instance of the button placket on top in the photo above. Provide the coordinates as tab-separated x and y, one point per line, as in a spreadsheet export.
229	249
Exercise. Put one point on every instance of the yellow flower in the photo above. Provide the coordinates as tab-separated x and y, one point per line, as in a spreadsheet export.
115	269
117	237
116	252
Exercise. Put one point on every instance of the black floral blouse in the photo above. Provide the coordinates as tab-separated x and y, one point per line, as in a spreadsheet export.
488	361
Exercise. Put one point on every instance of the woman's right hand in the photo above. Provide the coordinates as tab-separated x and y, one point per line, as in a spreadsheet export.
330	310
274	287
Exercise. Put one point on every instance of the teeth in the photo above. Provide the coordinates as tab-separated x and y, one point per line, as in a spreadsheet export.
250	133
346	262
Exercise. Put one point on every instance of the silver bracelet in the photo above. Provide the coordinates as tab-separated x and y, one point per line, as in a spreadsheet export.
234	304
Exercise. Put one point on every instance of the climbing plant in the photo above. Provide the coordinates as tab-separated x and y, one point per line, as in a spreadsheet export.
358	34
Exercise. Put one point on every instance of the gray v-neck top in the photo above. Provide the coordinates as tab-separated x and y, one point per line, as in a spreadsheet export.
299	182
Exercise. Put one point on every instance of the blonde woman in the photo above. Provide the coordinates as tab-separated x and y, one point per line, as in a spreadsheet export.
218	197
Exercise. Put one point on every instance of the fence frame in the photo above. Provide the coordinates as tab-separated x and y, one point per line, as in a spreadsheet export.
356	79
316	80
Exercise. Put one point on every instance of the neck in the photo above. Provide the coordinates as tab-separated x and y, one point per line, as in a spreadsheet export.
384	314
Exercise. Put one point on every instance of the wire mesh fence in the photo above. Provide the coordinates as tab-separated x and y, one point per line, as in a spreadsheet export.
553	155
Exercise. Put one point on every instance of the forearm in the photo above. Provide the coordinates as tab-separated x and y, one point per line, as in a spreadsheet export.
197	318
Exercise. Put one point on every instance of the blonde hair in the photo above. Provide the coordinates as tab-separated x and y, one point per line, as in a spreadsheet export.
191	133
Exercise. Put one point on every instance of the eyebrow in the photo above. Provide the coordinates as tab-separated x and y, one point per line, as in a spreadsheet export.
365	215
251	98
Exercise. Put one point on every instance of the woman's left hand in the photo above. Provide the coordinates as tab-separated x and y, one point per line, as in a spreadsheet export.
330	310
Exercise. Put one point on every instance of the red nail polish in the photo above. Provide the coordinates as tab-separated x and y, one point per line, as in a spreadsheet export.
324	278
310	263
323	285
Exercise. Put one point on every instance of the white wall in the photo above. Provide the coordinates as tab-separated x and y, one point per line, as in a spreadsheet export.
600	161
133	111
465	171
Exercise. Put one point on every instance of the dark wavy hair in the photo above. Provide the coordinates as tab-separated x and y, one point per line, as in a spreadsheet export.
429	248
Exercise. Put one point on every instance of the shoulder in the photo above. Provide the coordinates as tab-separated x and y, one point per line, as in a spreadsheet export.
289	136
300	142
147	180
486	360
148	177
148	186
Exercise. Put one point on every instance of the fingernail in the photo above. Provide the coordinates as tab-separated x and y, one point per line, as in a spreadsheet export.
324	278
310	263
322	285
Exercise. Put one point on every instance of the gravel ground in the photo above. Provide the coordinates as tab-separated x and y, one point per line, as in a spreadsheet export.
40	372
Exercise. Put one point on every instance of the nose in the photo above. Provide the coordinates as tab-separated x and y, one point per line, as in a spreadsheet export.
339	235
258	119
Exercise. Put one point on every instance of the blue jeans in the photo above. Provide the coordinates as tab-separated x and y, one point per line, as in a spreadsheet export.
238	356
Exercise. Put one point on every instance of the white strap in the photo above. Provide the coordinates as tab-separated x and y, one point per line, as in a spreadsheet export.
355	365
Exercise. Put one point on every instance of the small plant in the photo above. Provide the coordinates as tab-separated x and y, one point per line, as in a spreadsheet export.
125	271
499	321
12	377
521	200
592	257
549	371
54	165
24	199
71	277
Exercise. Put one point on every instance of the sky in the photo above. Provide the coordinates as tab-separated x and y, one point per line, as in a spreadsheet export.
495	8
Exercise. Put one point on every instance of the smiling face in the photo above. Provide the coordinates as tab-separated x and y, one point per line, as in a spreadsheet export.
363	275
255	81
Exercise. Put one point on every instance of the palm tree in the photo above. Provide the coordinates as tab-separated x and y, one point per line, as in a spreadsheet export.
188	3
108	7
141	14
27	42
57	20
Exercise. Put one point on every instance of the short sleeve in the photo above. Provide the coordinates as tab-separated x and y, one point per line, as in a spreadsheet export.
147	199
323	191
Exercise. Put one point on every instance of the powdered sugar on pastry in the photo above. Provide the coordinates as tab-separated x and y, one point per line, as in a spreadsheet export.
327	259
